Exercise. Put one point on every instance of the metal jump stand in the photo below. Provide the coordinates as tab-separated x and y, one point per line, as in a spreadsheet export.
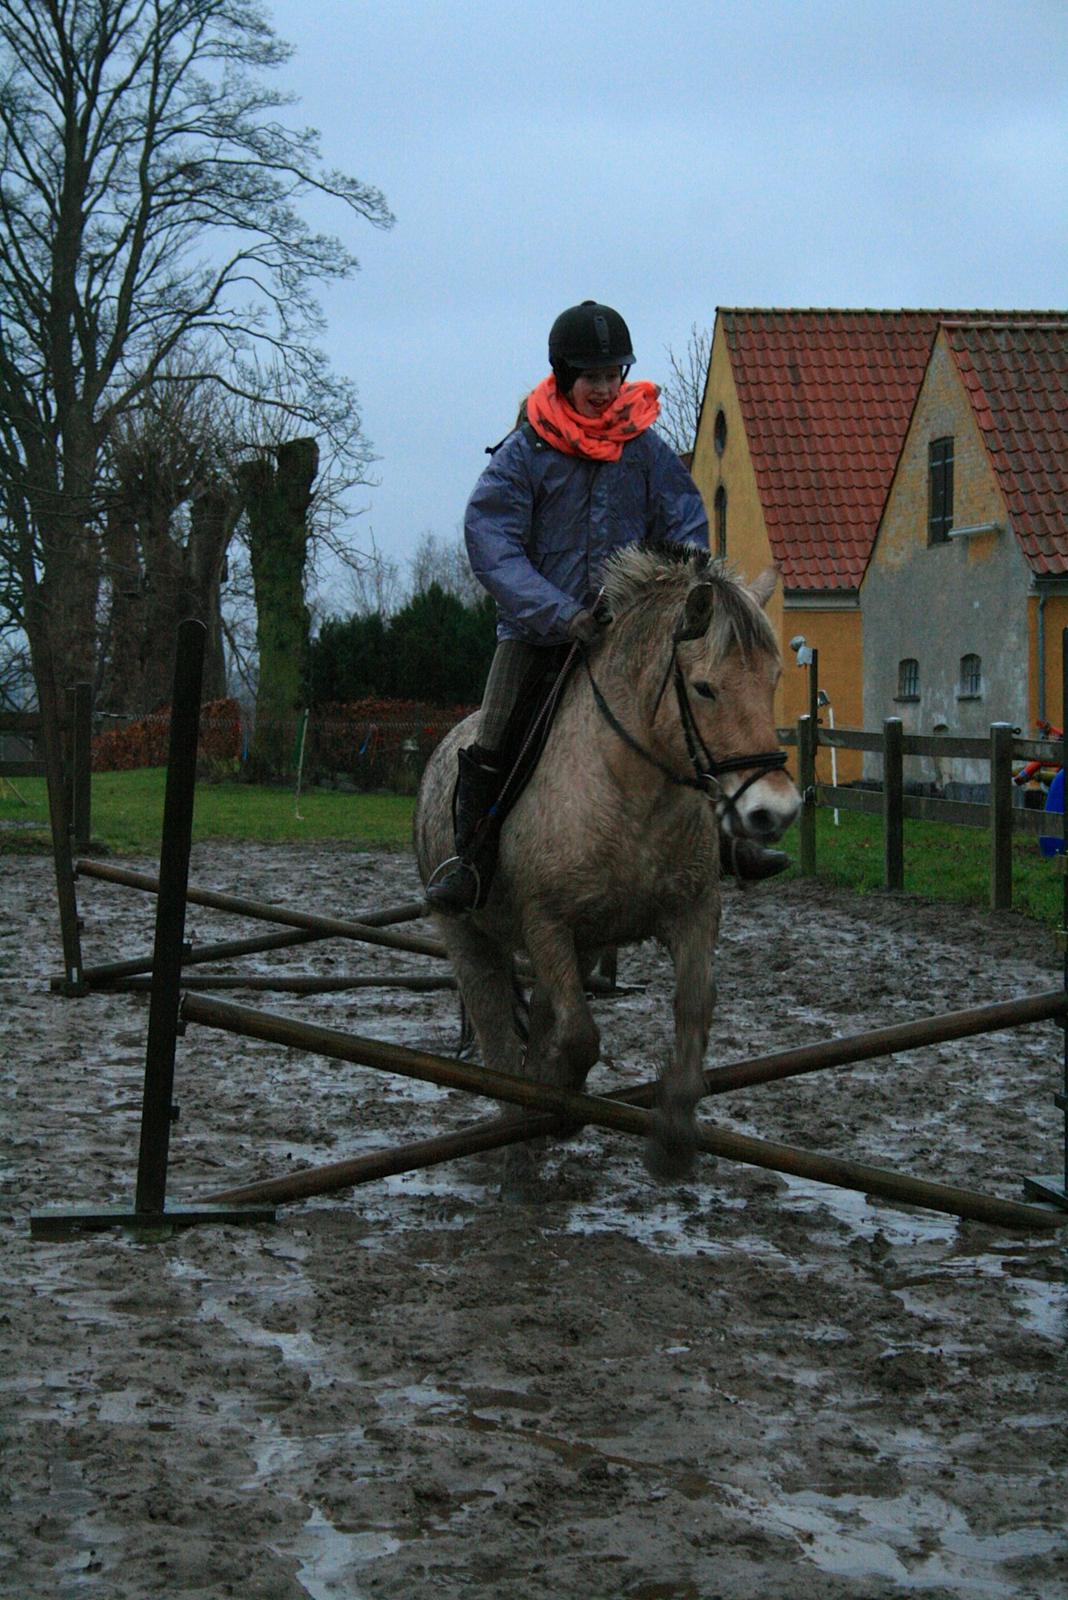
158	1110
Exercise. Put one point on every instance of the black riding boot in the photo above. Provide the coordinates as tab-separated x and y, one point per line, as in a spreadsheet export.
746	861
463	883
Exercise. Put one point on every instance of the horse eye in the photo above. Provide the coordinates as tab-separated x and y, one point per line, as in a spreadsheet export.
705	690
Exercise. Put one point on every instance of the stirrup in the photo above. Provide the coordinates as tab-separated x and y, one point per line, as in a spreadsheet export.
442	897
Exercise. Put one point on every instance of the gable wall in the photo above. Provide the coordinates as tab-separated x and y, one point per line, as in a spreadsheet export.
835	634
937	603
748	548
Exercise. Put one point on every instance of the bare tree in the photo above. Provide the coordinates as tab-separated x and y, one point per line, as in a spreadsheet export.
149	199
444	562
682	394
373	585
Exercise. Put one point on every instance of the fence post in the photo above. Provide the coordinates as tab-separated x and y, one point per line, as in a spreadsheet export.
806	776
893	804
80	710
1001	816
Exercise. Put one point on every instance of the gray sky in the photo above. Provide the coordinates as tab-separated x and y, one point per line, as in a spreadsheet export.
666	159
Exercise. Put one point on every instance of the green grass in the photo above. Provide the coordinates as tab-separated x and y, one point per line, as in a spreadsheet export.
941	862
127	814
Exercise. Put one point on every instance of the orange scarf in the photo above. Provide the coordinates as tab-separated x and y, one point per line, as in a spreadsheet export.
599	438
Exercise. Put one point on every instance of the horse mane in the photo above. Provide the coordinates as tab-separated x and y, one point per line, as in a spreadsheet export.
646	585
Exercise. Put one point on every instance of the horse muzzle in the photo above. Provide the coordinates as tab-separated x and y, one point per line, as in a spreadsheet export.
761	808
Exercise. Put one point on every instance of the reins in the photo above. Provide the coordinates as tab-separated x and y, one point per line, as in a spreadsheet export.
707	769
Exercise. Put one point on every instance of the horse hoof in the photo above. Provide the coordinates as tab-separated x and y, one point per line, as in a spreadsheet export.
521	1179
669	1158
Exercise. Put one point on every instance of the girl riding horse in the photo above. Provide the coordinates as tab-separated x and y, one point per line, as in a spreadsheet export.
583	474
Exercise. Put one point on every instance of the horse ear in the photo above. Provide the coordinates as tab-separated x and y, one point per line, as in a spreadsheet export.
697	614
765	586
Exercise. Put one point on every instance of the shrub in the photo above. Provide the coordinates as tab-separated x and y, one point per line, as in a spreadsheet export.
145	743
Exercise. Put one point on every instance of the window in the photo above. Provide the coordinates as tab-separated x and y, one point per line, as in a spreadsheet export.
908	679
719	432
971	678
939	490
719	505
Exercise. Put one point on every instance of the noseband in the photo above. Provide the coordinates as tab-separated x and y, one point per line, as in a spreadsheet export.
707	770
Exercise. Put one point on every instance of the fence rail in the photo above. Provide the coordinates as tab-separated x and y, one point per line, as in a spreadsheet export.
76	729
1001	750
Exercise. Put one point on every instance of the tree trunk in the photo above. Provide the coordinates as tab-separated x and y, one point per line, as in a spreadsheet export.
121	687
157	582
213	517
69	556
277	495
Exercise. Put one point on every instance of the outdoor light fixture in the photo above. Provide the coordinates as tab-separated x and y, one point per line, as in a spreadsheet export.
802	650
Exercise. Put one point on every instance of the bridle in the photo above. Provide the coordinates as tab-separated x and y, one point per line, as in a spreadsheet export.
707	769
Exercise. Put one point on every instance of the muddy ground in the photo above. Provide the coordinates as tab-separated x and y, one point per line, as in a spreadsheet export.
750	1386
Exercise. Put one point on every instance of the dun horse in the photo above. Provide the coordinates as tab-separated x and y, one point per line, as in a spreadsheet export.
664	737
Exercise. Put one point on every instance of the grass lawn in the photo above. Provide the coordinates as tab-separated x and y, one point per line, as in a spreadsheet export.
941	862
127	814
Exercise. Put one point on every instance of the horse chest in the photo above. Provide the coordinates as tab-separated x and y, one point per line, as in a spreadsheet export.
626	875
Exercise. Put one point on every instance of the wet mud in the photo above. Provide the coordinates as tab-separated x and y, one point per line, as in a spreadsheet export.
749	1385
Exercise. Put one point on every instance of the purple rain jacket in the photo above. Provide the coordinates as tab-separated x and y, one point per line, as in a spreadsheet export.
539	524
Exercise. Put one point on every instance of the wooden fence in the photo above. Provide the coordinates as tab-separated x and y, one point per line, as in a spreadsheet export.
77	729
1000	816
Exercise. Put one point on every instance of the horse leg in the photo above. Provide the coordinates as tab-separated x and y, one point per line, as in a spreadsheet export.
485	975
563	1042
669	1154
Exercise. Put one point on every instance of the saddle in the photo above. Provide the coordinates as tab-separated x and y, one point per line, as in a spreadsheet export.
529	721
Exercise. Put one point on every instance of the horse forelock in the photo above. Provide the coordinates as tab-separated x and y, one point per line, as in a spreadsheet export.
646	587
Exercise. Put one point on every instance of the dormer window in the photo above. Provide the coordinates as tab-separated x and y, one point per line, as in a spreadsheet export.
939	490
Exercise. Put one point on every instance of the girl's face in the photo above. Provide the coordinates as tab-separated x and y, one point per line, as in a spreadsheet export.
594	391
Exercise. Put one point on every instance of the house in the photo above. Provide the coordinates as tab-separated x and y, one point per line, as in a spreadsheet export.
804	416
966	591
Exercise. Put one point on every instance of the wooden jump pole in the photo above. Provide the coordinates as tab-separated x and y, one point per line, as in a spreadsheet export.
615	1113
296	982
104	973
285	916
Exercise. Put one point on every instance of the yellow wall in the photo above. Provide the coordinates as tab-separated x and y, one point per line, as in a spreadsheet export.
838	638
836	634
748	550
1055	620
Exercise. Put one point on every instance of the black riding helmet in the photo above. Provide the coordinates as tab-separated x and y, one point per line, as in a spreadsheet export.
586	336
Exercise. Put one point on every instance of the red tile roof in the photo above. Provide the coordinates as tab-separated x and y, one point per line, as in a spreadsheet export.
826	397
1016	376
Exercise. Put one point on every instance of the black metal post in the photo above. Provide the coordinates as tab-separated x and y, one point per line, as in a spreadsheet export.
157	1106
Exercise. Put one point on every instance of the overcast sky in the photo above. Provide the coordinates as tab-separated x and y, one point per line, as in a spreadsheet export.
666	159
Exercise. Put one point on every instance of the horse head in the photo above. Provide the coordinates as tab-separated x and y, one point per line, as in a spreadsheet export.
709	665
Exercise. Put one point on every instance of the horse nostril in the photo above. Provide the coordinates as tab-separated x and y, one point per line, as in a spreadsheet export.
760	821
